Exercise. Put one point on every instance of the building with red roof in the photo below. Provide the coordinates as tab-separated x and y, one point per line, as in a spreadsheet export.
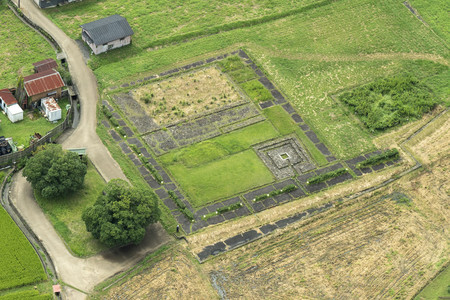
40	85
9	105
44	65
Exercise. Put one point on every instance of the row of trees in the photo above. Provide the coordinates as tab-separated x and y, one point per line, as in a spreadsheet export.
120	214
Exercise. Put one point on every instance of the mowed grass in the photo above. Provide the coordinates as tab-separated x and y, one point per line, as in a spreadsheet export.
221	178
435	14
21	46
439	287
19	263
22	131
216	148
153	20
65	214
370	27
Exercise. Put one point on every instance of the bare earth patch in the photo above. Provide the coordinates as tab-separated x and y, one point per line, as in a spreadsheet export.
189	94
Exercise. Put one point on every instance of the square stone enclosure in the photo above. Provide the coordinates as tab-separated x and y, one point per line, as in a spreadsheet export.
284	157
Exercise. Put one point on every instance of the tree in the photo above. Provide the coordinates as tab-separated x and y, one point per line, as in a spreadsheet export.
54	172
121	214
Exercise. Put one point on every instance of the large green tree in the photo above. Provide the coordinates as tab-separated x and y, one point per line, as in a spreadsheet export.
54	172
121	214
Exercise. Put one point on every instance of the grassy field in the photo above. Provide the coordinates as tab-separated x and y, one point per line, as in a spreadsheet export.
65	214
21	46
152	21
19	263
221	178
435	13
439	287
32	122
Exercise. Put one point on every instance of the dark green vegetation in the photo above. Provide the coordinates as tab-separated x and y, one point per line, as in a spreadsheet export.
65	214
54	172
286	189
389	102
27	294
181	205
121	214
329	175
16	35
19	264
438	287
379	158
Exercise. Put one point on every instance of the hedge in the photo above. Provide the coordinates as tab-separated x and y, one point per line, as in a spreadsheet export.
177	200
231	207
379	158
151	168
287	189
324	177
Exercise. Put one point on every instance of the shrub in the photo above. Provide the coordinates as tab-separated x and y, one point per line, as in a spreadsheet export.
106	112
177	200
135	149
379	158
231	207
188	214
324	177
152	169
287	189
121	131
114	122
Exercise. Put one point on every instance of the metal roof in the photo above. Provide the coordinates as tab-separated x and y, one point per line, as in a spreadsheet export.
7	97
108	29
45	64
42	82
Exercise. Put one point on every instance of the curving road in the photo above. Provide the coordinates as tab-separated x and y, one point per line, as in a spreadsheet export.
84	136
80	274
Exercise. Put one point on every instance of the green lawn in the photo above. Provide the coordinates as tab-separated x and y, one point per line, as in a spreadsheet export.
65	214
439	287
221	178
21	46
22	131
19	263
219	147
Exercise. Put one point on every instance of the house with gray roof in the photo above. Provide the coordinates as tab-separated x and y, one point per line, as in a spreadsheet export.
107	34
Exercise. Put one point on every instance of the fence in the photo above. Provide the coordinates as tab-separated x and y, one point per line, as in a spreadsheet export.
11	158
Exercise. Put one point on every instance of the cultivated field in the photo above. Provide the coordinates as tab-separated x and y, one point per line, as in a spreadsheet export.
21	46
19	264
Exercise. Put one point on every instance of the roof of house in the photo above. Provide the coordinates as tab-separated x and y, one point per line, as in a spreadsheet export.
108	29
15	109
7	97
51	104
42	82
46	64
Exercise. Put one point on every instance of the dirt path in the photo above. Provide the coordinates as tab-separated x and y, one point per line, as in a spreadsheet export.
84	136
82	274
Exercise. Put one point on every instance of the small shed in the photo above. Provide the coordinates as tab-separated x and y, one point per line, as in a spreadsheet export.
106	34
44	65
15	113
51	109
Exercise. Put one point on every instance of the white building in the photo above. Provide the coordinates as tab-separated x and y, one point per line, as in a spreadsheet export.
10	106
51	109
106	34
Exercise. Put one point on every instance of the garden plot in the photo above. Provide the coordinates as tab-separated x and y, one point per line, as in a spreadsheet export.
175	98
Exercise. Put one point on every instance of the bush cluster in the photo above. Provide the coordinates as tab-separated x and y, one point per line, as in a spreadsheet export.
391	101
151	168
177	200
231	207
106	112
379	158
329	175
135	149
287	189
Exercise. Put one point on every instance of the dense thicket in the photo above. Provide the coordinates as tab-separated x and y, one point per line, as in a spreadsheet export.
391	101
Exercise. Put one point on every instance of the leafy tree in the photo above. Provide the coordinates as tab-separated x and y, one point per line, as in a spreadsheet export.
121	214
54	172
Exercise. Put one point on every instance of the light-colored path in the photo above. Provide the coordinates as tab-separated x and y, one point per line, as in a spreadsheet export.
84	136
80	273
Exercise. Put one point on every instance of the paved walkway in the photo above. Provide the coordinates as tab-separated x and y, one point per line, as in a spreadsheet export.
83	274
